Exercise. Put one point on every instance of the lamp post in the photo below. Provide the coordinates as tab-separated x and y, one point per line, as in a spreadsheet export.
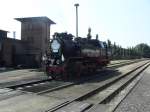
76	5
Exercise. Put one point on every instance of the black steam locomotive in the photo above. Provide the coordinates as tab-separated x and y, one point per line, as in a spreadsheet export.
73	57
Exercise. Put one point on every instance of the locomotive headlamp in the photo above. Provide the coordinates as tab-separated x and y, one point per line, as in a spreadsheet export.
55	45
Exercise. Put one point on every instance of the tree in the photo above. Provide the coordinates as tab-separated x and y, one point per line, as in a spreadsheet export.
109	43
143	49
109	47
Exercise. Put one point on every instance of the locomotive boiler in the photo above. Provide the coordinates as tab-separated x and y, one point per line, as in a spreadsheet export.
74	57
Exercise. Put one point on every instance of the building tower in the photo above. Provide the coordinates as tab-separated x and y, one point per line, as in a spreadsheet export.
35	31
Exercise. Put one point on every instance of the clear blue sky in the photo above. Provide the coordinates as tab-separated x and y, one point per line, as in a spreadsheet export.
126	22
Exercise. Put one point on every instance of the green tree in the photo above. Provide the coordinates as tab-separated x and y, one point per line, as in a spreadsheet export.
143	50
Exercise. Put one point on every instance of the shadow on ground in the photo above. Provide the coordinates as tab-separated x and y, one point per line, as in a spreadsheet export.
94	77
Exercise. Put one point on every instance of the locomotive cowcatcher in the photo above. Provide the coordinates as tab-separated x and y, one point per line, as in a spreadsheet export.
74	57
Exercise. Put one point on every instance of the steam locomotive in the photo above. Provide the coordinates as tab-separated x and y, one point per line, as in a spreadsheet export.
74	57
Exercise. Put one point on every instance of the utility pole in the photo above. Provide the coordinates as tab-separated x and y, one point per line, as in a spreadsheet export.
76	5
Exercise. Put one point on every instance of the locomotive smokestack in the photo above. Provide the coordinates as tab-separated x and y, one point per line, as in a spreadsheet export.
89	34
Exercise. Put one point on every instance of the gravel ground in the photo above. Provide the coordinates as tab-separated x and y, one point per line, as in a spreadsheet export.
139	98
21	74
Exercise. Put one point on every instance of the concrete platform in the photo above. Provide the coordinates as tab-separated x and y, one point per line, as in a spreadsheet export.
75	107
118	61
139	98
5	90
8	93
17	101
72	92
20	76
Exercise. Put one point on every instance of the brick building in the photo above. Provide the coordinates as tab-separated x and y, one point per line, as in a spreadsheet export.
35	37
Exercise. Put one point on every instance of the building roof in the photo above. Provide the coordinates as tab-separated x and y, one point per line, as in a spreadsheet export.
3	30
42	18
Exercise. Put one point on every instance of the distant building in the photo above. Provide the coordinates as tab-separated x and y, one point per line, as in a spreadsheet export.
34	43
7	49
3	34
12	52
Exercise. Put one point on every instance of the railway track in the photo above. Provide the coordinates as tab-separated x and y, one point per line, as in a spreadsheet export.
49	85
115	62
95	95
83	97
119	64
116	92
28	83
